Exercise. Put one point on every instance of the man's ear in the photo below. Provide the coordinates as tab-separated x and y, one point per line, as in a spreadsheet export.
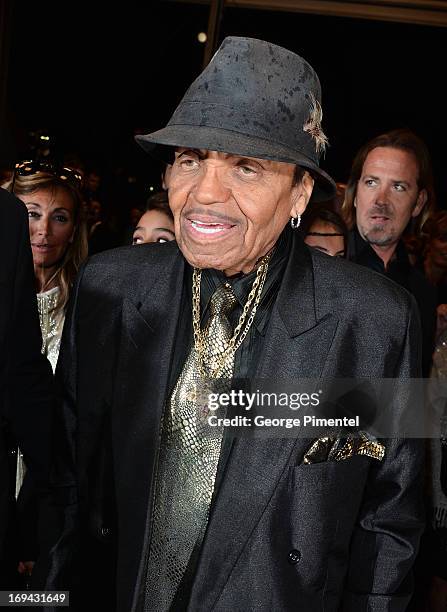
301	193
420	202
165	177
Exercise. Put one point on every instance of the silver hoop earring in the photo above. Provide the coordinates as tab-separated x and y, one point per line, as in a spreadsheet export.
295	222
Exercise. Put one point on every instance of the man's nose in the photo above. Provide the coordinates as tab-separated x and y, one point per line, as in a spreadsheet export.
383	195
210	187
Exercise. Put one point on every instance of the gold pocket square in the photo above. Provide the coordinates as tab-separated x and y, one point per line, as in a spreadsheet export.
333	448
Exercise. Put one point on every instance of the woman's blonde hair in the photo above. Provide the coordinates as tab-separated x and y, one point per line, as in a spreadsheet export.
46	180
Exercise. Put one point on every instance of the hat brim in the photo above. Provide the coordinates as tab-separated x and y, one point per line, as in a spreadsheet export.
226	141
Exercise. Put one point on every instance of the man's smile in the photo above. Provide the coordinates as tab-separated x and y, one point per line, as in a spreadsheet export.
201	225
208	228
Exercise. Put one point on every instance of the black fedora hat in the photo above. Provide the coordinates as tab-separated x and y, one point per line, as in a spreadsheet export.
255	99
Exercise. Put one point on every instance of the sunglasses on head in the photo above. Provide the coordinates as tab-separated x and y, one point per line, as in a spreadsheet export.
30	167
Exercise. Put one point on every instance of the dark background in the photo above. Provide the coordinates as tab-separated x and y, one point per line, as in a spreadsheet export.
92	76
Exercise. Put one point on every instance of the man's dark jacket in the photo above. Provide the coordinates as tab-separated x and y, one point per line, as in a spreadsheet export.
401	271
26	392
281	536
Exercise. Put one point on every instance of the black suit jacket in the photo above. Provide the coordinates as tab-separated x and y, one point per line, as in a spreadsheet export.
26	392
355	523
401	271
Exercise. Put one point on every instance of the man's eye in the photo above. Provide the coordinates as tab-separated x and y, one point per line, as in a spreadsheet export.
399	187
247	170
137	240
161	239
188	163
370	182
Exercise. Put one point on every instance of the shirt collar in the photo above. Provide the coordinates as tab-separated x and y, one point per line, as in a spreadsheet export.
242	283
364	254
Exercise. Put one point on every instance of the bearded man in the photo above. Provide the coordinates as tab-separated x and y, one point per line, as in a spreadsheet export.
389	195
189	520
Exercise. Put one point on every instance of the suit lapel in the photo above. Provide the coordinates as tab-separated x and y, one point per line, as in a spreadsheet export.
296	346
147	344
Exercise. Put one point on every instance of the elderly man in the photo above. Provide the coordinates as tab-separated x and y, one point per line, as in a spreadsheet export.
190	520
390	192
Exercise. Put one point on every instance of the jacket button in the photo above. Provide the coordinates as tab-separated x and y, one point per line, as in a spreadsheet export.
294	556
105	532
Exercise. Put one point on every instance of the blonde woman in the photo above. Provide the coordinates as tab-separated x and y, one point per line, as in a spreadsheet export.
59	245
58	240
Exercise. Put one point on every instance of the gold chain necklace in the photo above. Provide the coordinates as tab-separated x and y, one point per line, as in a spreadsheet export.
238	337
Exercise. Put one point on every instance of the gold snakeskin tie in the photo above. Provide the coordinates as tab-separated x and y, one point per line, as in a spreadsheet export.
189	455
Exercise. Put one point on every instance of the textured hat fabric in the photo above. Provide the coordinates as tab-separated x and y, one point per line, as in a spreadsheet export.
255	99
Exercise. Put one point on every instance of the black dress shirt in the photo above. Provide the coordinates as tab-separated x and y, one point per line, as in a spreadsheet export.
401	271
246	357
